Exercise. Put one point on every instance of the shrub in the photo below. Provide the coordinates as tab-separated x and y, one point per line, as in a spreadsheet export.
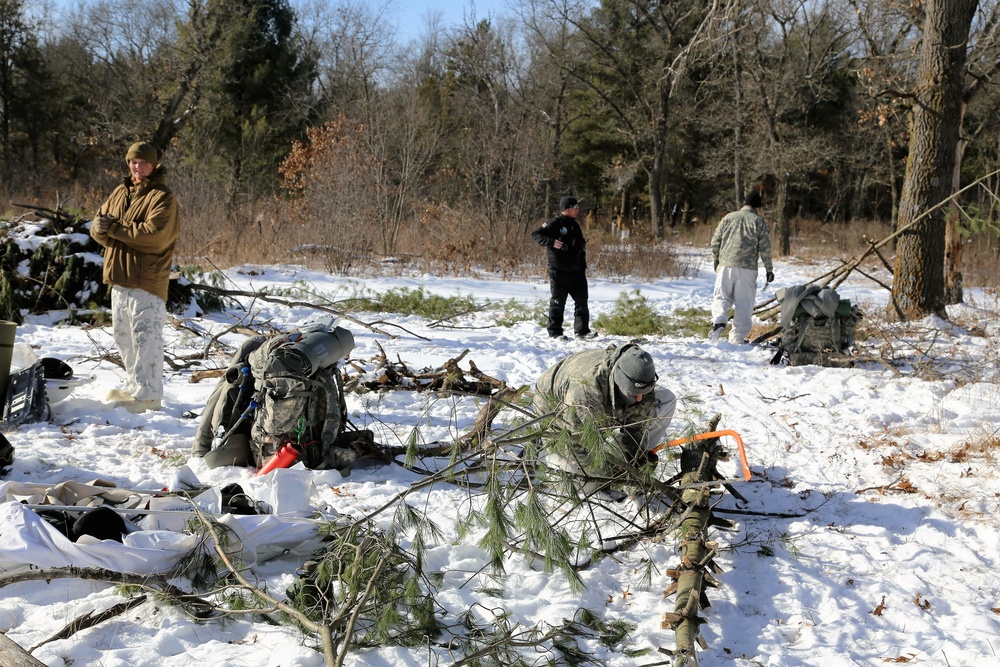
632	316
415	302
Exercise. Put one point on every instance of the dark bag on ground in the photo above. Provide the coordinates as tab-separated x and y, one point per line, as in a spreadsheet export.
6	454
25	401
279	390
817	327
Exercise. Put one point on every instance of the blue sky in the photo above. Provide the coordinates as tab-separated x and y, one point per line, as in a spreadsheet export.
412	13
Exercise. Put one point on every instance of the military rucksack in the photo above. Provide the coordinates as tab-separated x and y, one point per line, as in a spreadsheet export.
818	327
300	397
280	390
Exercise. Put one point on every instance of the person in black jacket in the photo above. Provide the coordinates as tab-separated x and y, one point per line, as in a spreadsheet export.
567	255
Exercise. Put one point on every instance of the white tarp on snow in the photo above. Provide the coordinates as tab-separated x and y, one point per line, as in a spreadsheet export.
28	540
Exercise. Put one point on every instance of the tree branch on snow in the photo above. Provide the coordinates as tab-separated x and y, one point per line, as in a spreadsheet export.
91	619
263	295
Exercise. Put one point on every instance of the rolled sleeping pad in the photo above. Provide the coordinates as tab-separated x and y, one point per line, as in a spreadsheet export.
315	350
8	331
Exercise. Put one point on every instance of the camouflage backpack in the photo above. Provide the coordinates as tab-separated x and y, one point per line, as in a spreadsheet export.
300	397
818	327
283	389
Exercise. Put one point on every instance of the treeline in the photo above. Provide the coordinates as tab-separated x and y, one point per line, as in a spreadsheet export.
310	123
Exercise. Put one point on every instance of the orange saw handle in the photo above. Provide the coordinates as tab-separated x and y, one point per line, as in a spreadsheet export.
707	436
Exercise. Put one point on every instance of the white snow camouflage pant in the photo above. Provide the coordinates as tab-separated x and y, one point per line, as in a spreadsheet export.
734	288
138	319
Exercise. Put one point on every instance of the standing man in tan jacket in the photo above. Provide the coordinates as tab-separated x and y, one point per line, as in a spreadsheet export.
138	226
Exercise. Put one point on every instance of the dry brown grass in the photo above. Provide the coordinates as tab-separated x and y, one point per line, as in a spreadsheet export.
273	231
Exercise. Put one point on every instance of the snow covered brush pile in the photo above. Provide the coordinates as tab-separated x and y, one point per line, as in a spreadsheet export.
51	264
48	264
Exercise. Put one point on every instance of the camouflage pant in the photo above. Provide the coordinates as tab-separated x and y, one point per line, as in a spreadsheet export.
138	319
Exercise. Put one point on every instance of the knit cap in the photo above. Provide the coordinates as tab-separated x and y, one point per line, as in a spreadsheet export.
141	150
567	202
634	372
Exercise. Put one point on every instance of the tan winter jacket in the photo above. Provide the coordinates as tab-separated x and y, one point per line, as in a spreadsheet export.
740	238
139	245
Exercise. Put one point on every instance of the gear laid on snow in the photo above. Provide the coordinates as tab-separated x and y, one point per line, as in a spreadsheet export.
817	326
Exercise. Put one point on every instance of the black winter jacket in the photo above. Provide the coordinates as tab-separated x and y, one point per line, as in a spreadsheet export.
573	254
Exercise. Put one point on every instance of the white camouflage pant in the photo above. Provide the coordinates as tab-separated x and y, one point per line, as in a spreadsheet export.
138	319
734	288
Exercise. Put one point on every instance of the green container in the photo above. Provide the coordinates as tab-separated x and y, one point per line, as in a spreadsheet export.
7	333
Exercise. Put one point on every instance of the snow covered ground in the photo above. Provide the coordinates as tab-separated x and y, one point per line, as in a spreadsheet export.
870	536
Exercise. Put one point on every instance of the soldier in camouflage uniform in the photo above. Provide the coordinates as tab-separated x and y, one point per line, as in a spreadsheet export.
612	390
739	240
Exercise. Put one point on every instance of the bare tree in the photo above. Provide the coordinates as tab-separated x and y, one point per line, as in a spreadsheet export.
637	56
132	47
795	85
936	115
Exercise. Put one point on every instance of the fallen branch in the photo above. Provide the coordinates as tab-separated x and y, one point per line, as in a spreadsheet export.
449	377
150	582
90	619
262	295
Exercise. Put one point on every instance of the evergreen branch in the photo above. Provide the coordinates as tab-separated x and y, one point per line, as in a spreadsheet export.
323	631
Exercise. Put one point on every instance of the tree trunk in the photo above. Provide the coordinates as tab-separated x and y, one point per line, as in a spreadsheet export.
952	238
656	198
918	284
782	223
858	201
738	127
658	173
12	655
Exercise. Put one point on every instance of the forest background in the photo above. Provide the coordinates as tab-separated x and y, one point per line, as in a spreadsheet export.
308	130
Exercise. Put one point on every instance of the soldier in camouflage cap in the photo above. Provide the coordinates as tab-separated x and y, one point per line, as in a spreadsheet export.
739	240
614	390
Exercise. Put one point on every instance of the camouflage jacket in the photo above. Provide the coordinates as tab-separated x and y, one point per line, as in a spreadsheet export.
580	387
740	238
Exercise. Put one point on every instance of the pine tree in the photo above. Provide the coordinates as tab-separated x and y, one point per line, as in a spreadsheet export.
256	96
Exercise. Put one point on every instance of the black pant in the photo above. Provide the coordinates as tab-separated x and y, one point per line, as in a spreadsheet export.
563	284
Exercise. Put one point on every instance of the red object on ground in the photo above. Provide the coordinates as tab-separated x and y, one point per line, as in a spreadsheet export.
284	457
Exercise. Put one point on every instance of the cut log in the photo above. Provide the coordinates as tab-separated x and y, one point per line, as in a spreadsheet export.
12	655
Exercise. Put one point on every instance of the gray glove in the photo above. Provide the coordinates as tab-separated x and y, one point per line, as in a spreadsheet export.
102	223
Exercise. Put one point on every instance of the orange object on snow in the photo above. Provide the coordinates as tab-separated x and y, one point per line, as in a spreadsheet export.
708	436
284	457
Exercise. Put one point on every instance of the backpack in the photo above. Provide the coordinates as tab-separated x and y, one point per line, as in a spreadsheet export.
818	327
280	390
